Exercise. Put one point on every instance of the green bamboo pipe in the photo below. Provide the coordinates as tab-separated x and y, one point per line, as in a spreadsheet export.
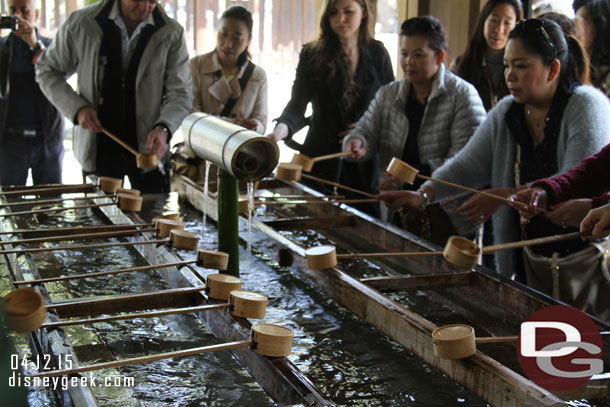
228	226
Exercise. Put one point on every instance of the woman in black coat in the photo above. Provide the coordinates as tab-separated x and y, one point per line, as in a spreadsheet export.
339	74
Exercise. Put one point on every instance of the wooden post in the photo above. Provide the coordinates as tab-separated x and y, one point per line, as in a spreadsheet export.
199	21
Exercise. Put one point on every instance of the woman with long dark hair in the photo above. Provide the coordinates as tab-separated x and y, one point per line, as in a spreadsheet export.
225	82
594	17
339	74
481	64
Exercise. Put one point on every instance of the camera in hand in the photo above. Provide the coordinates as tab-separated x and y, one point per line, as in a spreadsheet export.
9	22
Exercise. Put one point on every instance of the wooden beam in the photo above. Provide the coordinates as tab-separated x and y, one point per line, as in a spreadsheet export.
177	297
416	282
312	223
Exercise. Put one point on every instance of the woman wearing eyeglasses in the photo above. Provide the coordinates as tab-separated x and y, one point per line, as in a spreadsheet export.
482	62
548	124
594	18
225	82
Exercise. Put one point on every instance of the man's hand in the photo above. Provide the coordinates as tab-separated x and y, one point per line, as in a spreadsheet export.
157	141
355	146
26	31
279	133
87	119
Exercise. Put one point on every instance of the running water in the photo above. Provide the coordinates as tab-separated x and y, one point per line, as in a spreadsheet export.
205	196
250	185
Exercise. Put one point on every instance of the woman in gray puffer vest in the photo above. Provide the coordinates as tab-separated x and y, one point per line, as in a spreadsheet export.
425	118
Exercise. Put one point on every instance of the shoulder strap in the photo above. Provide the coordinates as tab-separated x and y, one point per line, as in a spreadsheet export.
243	81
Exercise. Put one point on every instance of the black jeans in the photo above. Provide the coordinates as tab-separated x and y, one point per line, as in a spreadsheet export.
17	157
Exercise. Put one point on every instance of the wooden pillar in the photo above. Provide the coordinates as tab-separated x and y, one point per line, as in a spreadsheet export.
199	22
406	9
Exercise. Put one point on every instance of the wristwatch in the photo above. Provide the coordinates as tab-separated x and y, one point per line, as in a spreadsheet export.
164	128
424	195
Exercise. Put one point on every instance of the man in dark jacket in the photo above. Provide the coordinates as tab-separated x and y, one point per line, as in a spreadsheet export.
31	128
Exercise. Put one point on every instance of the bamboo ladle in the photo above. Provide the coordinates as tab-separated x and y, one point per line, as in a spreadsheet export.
205	258
82	236
459	251
29	202
307	163
143	160
458	341
40	190
75	230
244	304
126	202
25	310
265	339
179	239
294	172
407	173
163	227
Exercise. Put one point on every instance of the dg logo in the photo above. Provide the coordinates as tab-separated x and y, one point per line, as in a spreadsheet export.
560	348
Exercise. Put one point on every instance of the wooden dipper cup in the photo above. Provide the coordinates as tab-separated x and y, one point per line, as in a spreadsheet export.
307	163
25	311
143	160
454	341
289	171
130	203
407	173
165	226
212	259
109	185
121	190
461	252
219	286
265	339
271	340
247	304
146	160
304	161
181	239
171	216
321	257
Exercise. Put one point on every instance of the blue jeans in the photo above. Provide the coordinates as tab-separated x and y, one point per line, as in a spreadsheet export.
16	158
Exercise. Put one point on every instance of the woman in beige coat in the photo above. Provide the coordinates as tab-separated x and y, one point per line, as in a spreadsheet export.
225	82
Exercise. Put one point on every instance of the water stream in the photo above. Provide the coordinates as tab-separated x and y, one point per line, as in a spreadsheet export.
206	184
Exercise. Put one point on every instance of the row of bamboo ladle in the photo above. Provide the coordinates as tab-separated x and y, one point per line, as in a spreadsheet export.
26	311
456	341
293	171
126	199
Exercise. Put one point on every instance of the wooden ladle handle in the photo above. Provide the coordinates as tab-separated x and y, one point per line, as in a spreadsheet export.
121	142
331	156
476	191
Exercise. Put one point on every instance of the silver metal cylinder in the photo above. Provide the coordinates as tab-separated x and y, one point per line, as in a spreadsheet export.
243	153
